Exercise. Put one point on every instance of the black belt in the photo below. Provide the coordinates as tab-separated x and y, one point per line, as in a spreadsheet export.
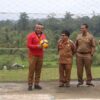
84	52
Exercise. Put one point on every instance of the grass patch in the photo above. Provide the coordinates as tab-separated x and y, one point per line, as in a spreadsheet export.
50	69
47	74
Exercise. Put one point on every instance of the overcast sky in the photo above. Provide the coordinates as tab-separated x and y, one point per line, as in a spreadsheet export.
51	6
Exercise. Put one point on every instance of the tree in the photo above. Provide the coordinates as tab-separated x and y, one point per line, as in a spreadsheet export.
23	22
96	25
74	35
68	22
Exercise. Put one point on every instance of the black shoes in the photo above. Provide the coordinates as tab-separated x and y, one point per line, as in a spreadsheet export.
90	84
37	87
30	88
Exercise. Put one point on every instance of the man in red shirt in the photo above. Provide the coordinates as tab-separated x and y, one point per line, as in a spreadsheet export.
35	56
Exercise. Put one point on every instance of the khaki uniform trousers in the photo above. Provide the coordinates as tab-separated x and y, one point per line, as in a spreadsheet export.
35	66
64	73
82	62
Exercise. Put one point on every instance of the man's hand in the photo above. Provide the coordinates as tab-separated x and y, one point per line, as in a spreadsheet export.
39	46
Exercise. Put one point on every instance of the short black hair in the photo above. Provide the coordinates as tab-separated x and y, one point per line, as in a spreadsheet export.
39	23
66	32
86	25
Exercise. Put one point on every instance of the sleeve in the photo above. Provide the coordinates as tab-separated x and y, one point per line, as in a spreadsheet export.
93	45
73	47
76	43
93	42
29	42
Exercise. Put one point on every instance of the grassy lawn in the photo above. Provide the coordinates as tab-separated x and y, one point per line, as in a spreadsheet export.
50	69
47	74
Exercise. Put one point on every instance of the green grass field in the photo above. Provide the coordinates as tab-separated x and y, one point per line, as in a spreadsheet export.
47	74
50	68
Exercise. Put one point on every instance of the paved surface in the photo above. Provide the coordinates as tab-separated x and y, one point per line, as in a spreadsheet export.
50	91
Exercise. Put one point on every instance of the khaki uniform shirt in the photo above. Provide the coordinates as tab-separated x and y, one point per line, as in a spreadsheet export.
66	50
85	45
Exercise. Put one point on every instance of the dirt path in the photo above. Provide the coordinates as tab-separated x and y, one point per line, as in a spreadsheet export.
50	91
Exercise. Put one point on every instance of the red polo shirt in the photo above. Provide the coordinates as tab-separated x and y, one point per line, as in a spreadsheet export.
33	40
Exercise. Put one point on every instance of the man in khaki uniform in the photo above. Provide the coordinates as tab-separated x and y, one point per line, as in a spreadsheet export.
66	49
85	47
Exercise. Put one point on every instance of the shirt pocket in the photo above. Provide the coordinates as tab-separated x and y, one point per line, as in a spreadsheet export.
88	40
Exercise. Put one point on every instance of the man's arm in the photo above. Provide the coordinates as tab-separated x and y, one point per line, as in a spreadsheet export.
76	44
29	43
93	42
73	47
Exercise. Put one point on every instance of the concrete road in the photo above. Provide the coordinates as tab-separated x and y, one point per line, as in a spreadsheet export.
50	91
